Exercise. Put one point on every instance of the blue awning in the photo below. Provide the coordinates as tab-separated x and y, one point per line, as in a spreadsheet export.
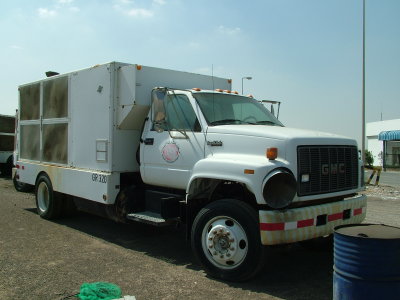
392	135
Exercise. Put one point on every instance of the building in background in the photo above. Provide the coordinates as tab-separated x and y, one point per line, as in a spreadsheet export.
383	140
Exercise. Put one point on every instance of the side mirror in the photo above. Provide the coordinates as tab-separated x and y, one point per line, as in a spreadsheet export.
160	125
158	96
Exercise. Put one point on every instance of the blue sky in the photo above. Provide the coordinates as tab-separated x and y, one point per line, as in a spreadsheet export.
305	53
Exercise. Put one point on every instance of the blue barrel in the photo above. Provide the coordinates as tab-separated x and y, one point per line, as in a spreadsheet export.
366	262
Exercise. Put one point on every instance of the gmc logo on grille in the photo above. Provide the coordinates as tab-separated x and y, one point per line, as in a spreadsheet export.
333	169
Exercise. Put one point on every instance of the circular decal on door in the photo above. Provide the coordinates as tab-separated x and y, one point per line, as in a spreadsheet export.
170	152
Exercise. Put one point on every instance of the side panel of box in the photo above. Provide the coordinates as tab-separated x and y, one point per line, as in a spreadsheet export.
126	141
91	94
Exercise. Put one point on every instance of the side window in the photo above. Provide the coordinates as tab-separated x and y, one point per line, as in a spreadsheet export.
180	114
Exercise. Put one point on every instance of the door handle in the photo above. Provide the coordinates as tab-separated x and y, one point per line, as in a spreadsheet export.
149	141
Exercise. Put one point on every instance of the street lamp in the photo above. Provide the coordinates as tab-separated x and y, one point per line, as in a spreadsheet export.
248	78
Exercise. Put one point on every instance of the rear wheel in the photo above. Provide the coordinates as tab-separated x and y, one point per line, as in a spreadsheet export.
226	240
47	203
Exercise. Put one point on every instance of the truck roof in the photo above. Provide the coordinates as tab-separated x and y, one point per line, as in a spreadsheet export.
138	66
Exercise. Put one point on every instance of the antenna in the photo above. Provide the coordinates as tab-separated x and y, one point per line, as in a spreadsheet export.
213	88
212	76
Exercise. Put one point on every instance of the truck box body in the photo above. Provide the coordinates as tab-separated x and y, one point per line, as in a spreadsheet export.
88	122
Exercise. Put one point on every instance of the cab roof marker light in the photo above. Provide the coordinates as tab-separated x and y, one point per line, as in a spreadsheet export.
227	91
138	67
250	96
196	89
235	92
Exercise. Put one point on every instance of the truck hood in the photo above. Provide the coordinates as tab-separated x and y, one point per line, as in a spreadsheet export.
253	140
281	133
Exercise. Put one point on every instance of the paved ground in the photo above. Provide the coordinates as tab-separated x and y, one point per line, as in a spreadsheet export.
391	178
40	259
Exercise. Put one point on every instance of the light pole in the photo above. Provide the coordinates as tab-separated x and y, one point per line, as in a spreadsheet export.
248	78
363	88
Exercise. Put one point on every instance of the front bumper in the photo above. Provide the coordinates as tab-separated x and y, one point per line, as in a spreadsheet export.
299	224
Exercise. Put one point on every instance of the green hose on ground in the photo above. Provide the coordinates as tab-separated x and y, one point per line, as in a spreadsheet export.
99	291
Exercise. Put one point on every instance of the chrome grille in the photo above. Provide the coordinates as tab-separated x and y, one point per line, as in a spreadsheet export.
330	169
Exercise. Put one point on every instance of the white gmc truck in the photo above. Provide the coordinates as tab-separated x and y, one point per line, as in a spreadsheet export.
144	144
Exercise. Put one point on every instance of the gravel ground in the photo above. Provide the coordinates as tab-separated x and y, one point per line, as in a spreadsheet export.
40	259
383	205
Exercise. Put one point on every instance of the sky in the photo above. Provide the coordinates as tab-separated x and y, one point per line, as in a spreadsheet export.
305	53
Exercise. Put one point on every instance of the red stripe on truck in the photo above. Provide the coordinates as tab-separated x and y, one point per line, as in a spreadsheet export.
305	223
335	217
272	226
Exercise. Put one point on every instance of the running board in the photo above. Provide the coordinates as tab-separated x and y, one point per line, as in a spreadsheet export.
151	218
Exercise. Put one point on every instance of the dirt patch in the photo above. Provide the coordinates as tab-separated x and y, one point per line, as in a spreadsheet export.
383	191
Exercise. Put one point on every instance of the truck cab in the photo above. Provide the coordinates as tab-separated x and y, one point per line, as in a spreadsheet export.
221	147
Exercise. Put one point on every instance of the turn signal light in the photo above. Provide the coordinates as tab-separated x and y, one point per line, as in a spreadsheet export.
248	171
272	153
138	67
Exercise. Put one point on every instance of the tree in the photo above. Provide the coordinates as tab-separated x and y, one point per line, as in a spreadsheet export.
369	158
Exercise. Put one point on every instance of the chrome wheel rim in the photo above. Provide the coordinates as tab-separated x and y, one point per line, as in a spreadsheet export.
224	242
43	197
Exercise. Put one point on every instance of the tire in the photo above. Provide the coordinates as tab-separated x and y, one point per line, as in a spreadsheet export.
47	203
226	240
22	187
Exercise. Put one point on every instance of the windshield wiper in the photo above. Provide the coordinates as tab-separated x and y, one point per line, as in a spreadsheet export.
266	122
229	121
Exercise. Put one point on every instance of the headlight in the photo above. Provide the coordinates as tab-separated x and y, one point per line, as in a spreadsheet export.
279	189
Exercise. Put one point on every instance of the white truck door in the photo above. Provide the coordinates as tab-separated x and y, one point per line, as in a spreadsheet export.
170	149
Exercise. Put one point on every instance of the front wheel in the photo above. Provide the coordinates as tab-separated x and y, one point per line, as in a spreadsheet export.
226	240
47	203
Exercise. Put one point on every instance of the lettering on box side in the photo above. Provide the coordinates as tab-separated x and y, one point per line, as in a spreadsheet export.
99	178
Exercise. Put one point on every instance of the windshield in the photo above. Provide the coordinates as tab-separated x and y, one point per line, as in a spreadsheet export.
223	109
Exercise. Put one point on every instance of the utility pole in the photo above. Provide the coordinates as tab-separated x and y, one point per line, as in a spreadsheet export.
363	87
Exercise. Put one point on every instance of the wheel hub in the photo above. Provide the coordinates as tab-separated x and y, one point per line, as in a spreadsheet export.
222	242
